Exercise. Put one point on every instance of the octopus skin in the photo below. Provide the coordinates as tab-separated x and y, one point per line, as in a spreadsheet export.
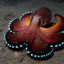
35	30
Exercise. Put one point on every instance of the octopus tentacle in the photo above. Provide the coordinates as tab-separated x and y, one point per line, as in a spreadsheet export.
16	36
18	25
54	31
57	27
49	39
60	23
38	48
37	55
30	37
15	39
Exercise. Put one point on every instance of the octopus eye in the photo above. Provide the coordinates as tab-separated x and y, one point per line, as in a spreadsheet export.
40	20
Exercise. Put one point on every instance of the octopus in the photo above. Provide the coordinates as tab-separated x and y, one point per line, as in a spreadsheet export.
35	31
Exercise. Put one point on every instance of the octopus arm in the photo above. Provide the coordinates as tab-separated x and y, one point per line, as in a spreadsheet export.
60	24
39	44
57	27
51	37
21	23
19	30
54	37
16	38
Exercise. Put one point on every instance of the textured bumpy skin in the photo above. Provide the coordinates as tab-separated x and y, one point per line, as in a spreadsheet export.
35	30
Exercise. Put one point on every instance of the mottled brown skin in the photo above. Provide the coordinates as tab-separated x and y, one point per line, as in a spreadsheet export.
30	30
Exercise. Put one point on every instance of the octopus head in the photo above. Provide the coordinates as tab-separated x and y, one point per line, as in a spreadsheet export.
41	17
